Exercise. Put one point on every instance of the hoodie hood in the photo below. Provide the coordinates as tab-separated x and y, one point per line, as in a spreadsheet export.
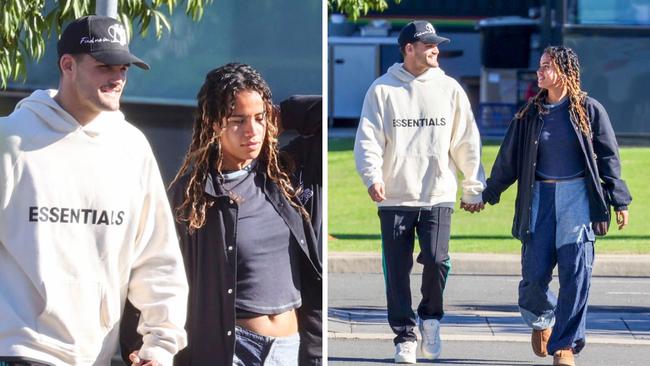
51	114
399	72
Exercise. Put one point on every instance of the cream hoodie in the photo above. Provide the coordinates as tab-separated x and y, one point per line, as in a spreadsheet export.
413	136
84	223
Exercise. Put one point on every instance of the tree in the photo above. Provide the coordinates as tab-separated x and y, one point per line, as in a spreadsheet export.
26	24
356	8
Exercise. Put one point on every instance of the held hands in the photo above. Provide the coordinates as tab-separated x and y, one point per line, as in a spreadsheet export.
472	207
376	192
137	361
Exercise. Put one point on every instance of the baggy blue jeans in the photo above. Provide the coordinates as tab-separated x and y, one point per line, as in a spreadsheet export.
561	235
252	349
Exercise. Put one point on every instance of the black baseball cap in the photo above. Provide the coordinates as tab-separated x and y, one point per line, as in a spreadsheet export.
419	30
104	38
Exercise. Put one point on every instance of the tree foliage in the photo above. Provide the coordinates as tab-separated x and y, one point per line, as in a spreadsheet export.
26	24
355	8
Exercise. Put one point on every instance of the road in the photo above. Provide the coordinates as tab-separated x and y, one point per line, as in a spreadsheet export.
482	324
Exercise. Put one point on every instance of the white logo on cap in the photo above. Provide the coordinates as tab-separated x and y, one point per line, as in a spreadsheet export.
428	30
117	33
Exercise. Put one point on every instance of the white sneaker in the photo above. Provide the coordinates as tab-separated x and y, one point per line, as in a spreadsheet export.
405	352
431	345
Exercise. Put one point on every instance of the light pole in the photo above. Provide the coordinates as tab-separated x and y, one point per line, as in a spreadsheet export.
106	8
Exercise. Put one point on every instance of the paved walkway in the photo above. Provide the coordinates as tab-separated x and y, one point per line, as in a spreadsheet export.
482	307
497	326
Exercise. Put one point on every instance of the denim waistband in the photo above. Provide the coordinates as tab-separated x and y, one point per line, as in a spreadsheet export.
261	339
578	180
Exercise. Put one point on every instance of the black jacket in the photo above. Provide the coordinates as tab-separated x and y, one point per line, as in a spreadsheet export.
303	113
517	159
210	263
212	267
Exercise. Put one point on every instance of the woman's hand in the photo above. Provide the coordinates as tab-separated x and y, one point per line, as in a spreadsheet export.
600	227
621	219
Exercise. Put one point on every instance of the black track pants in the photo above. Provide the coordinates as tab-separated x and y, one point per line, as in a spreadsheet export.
398	229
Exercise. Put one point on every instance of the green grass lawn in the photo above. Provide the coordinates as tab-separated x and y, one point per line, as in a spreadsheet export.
354	224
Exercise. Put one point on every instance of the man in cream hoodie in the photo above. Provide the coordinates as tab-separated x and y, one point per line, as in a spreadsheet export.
84	218
416	131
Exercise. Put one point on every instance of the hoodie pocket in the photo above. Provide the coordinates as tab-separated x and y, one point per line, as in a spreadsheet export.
414	177
73	319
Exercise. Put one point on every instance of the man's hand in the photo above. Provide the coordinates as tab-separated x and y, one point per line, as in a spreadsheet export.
621	219
376	192
137	361
472	207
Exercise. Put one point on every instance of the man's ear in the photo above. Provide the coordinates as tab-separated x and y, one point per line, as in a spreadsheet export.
408	48
67	63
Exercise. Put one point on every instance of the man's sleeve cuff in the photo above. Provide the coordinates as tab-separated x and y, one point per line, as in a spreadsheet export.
370	182
164	357
474	198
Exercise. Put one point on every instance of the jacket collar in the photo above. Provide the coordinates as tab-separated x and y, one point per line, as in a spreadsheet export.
215	189
210	189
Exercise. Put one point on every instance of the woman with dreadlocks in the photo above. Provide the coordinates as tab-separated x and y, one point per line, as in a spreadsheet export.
248	246
561	149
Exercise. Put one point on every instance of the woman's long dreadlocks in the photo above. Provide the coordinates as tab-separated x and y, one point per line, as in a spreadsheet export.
216	101
565	63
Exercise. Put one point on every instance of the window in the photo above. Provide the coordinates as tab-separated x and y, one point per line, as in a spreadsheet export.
609	12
